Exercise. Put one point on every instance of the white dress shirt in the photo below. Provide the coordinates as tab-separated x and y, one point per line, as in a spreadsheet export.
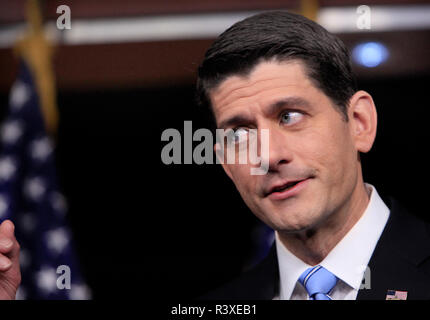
347	260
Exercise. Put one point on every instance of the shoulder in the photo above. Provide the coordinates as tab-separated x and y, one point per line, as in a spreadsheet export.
401	259
406	233
405	224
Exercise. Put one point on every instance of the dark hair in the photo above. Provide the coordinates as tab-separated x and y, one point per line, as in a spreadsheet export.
282	36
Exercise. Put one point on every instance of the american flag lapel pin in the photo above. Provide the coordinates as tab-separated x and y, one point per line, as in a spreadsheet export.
396	295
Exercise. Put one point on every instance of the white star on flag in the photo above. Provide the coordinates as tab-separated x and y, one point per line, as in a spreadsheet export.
11	131
34	188
47	279
7	168
57	240
19	95
79	292
41	148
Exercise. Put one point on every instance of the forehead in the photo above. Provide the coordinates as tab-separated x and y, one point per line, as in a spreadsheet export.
267	80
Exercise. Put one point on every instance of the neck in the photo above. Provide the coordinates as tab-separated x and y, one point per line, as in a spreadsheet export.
313	245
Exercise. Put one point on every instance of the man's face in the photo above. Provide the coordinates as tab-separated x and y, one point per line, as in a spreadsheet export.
313	161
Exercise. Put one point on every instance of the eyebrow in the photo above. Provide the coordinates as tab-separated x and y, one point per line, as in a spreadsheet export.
273	108
289	102
234	121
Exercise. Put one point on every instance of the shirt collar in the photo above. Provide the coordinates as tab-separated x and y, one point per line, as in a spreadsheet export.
349	258
290	269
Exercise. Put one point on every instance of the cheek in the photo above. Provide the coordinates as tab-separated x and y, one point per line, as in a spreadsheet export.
246	185
330	152
242	178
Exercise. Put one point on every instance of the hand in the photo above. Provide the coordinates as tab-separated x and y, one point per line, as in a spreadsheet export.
10	274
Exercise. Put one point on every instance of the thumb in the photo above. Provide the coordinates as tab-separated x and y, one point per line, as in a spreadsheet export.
7	229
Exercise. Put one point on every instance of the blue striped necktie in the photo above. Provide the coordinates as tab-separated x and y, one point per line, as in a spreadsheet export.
318	282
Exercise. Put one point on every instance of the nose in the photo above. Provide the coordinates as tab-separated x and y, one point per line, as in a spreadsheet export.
280	152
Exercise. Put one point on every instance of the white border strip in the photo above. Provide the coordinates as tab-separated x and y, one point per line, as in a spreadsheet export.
203	26
152	28
383	18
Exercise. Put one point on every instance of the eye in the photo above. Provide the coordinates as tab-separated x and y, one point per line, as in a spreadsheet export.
240	134
291	117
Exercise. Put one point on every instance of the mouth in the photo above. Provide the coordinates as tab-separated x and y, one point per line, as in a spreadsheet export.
286	190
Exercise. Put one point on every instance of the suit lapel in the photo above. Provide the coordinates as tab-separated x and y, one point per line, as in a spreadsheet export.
397	262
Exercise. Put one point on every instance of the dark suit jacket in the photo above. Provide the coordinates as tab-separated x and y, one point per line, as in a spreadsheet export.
400	261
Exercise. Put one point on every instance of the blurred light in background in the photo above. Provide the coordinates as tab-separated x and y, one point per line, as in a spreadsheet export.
370	54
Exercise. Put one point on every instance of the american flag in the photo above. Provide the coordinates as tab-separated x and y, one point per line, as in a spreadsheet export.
396	295
30	197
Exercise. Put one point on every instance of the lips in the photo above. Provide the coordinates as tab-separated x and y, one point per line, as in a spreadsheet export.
285	189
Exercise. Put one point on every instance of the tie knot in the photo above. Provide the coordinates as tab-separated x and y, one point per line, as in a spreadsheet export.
318	282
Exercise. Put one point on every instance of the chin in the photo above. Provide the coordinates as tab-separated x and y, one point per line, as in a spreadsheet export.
295	222
294	228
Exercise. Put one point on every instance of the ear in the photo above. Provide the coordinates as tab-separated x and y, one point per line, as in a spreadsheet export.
217	149
363	118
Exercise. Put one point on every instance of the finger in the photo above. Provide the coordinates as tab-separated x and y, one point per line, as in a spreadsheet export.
7	236
6	244
5	263
7	229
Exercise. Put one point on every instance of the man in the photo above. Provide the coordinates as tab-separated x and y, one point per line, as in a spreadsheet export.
284	73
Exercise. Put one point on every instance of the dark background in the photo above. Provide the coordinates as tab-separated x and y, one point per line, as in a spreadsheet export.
179	230
146	229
